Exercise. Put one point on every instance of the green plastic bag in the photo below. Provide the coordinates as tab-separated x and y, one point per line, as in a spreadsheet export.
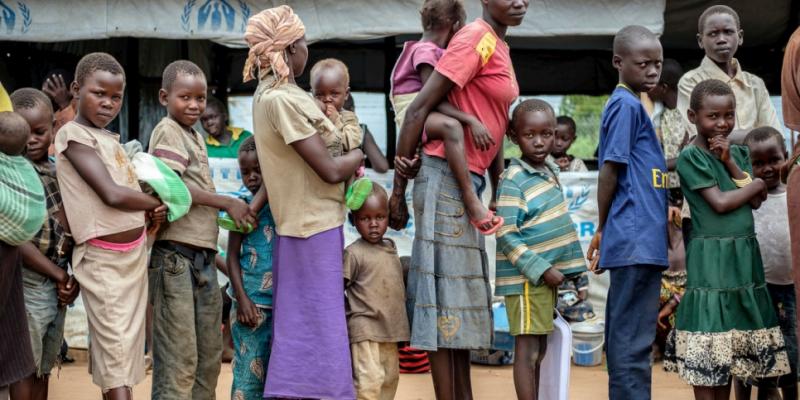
166	183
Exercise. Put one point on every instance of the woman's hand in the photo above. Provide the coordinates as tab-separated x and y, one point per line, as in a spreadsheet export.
481	138
407	168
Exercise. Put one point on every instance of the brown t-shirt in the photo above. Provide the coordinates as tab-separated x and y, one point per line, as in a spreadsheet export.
87	215
301	202
185	153
376	295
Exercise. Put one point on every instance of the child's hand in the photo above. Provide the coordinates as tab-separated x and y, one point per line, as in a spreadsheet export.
241	213
553	277
331	112
247	312
67	291
593	253
720	147
57	89
398	212
407	168
480	135
665	312
674	216
563	162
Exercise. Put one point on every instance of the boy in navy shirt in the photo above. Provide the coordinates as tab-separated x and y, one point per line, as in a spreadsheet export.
631	237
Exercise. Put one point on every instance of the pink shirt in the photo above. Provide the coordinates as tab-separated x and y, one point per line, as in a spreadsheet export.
479	63
405	77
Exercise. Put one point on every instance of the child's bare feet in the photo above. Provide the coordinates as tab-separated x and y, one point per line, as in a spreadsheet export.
481	217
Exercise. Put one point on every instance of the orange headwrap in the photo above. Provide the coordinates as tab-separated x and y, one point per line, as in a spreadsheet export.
268	34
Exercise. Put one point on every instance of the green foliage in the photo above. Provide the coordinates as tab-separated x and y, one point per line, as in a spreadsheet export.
586	111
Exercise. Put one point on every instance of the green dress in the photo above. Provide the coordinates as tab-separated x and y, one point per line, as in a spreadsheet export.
725	325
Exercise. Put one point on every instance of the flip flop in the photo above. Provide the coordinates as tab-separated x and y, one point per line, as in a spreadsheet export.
489	217
227	223
357	193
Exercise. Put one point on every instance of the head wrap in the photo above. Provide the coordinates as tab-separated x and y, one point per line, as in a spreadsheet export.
268	34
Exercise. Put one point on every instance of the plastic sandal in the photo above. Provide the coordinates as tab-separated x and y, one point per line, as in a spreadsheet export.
227	223
357	193
489	217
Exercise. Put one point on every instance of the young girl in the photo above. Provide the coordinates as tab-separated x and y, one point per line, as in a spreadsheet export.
725	325
441	19
105	210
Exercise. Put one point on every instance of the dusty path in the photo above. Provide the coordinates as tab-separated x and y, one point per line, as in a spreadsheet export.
489	383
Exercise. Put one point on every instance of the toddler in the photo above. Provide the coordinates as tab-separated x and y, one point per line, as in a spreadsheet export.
441	19
376	313
537	245
250	272
565	136
105	210
330	85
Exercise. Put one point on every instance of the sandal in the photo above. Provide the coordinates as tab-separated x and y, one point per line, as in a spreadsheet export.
489	218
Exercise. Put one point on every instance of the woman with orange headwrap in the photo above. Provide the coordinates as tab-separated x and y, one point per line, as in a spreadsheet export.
310	352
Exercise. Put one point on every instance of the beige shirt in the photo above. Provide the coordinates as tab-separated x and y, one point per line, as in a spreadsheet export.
352	134
376	297
753	106
87	215
301	202
185	153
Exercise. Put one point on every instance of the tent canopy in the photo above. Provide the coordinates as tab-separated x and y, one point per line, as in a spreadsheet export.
224	21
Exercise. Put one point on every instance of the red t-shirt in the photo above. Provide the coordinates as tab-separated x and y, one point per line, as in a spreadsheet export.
479	63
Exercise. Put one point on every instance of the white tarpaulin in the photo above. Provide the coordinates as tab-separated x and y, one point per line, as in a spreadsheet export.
223	21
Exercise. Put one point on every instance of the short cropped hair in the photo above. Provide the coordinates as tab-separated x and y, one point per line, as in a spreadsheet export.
530	105
28	98
247	145
568	121
626	36
706	88
671	72
330	63
217	104
176	68
718	9
14	132
763	134
442	14
97	62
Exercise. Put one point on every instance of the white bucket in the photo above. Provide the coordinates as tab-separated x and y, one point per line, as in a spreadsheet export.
587	343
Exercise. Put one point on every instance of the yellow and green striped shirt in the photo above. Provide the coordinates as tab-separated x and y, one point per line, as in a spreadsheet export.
538	232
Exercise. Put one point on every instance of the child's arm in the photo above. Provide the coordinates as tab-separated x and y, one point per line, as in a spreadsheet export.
236	208
35	260
720	146
89	166
606	187
379	162
247	313
480	135
724	202
260	199
495	171
511	205
347	123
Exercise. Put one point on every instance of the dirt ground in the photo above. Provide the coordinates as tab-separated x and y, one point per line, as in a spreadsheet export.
489	383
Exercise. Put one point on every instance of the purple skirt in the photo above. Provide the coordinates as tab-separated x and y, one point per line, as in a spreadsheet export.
310	349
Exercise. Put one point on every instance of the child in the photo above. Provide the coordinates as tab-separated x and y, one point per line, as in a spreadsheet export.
719	34
250	272
376	313
670	126
632	204
47	285
330	85
565	136
187	305
223	141
105	212
441	19
537	246
768	154
725	325
20	187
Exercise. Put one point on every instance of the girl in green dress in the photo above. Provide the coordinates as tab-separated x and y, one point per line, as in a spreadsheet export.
725	325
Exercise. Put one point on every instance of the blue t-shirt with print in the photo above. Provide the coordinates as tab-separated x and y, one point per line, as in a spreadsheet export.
636	229
255	260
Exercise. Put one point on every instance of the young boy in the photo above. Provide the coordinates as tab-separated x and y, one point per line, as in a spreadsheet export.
20	186
537	247
376	313
768	154
719	34
330	85
671	125
187	306
47	285
223	141
250	272
631	236
565	136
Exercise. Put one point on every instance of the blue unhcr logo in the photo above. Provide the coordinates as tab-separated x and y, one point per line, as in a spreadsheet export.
8	17
215	15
